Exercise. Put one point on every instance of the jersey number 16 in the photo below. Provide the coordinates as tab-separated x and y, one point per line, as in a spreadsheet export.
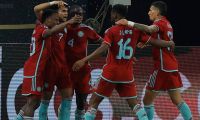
123	47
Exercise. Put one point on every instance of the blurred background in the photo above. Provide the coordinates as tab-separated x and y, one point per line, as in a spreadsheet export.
17	20
183	15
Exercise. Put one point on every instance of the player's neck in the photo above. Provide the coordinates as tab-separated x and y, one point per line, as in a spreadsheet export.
158	18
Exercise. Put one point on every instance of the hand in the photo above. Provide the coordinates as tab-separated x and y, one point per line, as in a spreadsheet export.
54	2
59	3
172	45
77	65
62	4
75	19
78	18
134	60
122	22
141	45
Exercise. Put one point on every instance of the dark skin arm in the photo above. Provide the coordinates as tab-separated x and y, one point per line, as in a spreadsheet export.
61	26
157	43
161	43
80	63
39	8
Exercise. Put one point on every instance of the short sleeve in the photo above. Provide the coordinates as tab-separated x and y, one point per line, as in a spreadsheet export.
108	37
159	25
41	29
93	36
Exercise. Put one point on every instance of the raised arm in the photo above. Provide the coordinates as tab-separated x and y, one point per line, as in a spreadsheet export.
39	8
61	26
161	43
80	63
142	27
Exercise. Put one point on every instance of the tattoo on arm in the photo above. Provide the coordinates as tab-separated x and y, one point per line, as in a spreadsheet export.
146	28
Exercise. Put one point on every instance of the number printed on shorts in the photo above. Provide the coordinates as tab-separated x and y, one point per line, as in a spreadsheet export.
123	47
32	46
170	35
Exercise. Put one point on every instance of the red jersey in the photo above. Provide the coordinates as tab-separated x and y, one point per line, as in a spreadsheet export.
58	49
77	41
164	58
39	52
119	64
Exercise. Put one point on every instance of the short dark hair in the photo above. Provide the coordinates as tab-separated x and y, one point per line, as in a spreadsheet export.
47	13
162	6
120	9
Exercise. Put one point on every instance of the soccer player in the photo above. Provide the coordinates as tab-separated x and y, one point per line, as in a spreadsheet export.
165	76
77	40
34	67
56	72
120	41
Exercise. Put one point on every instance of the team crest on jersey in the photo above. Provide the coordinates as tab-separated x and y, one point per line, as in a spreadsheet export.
39	89
80	34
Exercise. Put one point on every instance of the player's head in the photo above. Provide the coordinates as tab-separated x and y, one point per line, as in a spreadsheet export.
62	11
76	10
118	11
50	18
157	9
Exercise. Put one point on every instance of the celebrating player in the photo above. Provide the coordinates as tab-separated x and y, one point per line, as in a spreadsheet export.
34	68
165	76
56	71
120	41
77	41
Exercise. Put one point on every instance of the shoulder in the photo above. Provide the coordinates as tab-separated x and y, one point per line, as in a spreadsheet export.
168	23
165	25
112	29
39	28
108	30
84	26
162	21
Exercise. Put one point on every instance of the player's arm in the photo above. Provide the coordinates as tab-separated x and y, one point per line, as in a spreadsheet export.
98	41
155	42
94	36
161	43
80	63
146	40
61	26
142	27
39	8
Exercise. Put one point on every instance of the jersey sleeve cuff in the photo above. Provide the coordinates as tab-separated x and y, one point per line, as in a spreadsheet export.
107	43
43	33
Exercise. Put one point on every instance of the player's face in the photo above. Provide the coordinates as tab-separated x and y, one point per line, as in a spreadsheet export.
153	13
53	20
78	12
63	13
